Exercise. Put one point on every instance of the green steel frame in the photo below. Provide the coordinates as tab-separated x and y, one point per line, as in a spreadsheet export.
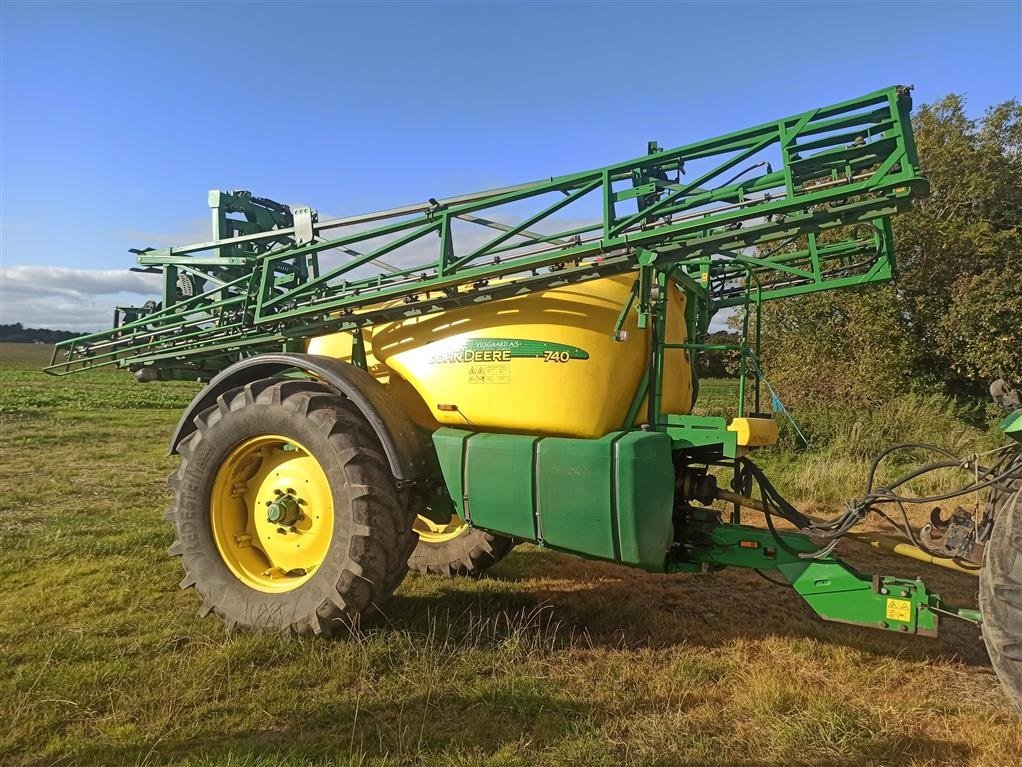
279	275
832	588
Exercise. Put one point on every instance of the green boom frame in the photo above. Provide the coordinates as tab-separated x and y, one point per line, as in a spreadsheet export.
280	275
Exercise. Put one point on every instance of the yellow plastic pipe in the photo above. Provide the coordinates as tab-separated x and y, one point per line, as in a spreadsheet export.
897	546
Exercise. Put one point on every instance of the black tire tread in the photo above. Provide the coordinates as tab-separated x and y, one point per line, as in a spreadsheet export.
1000	586
469	554
379	516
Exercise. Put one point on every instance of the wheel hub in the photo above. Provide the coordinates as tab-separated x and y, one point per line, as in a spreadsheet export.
285	510
272	513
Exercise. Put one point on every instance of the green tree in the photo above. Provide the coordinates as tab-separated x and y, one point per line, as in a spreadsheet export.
953	318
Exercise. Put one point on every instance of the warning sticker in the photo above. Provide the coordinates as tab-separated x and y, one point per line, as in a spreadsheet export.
490	374
899	610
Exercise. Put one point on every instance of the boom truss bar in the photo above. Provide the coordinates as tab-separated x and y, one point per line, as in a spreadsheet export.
757	200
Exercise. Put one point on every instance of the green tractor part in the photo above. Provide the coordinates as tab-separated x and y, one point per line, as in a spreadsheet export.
426	386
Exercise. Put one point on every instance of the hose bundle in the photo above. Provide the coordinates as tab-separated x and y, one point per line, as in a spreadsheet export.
829	531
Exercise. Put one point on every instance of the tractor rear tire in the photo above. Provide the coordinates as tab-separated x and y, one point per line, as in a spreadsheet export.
469	553
296	442
1000	586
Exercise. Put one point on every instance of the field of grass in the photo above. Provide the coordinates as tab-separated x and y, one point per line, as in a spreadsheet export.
548	661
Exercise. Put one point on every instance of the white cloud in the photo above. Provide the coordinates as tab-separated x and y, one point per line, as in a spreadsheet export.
70	299
720	320
59	280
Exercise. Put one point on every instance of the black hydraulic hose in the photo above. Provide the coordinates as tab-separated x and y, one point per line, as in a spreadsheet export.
774	504
902	446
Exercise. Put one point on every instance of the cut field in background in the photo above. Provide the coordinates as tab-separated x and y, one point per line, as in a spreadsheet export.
548	660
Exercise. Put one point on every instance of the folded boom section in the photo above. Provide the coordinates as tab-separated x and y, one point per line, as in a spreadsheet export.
792	206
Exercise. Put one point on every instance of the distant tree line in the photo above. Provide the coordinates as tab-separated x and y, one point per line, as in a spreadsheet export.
17	334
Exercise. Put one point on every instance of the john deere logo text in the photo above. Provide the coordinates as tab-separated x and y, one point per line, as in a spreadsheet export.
507	349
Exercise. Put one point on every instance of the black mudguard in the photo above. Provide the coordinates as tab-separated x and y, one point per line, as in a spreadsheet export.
409	449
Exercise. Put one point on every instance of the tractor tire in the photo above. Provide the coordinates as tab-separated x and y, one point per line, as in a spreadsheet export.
1000	585
286	512
468	553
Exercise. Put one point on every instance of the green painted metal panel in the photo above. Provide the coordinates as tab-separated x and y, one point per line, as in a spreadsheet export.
836	592
575	495
609	498
831	587
701	431
450	448
499	483
644	498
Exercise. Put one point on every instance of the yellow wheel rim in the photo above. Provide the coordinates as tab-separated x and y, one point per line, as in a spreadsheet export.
272	513
432	531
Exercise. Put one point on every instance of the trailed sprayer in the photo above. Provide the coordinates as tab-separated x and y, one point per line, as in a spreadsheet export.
425	387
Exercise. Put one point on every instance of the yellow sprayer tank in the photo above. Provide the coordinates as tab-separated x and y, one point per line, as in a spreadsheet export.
540	363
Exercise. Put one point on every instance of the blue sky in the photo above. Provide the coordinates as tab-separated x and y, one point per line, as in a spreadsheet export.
118	117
